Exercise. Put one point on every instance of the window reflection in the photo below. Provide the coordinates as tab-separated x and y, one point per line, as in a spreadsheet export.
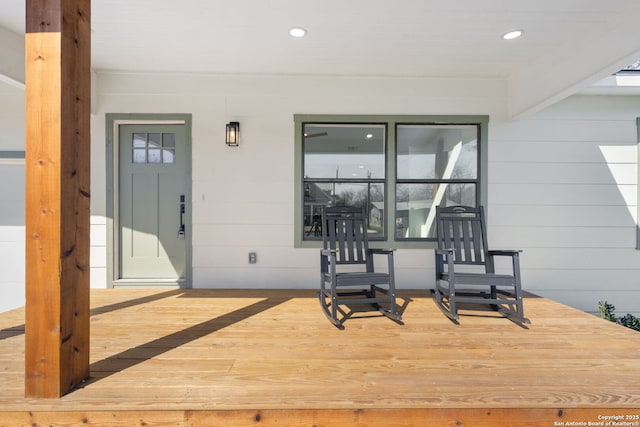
415	206
155	140
168	140
139	155
344	151
168	156
154	148
436	165
344	165
437	152
139	140
154	156
368	195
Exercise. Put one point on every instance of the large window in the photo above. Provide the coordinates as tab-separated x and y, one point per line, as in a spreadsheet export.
397	167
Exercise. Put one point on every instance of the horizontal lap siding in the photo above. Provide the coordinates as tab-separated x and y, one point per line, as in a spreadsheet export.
563	187
562	183
12	192
243	198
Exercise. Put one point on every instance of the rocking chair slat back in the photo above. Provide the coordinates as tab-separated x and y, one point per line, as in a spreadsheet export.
346	232
462	240
464	235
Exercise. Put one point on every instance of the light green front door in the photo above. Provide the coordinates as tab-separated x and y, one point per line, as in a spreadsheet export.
152	203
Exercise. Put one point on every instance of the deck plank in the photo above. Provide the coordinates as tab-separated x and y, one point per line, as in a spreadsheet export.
235	357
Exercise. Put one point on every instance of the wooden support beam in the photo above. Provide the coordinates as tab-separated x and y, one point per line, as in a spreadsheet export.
58	88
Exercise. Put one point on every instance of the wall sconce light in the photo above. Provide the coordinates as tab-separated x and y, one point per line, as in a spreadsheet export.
233	134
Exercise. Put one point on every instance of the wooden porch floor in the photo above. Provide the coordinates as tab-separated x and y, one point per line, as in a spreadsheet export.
247	357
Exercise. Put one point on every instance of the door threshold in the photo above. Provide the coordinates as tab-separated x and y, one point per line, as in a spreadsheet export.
149	283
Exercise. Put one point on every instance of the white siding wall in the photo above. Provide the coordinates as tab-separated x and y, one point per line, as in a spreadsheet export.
563	187
12	198
243	198
562	183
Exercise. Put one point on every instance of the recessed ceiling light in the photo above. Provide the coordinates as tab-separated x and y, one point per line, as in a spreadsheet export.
297	32
513	34
369	136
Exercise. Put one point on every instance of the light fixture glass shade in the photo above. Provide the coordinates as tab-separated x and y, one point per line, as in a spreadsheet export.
233	134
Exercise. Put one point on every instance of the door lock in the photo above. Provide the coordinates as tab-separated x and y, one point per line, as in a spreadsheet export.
181	229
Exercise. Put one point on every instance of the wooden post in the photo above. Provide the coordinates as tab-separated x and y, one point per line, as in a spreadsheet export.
58	89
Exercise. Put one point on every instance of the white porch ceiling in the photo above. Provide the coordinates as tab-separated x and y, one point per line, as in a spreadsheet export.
567	45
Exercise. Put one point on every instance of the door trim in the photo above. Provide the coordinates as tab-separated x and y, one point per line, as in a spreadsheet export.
113	123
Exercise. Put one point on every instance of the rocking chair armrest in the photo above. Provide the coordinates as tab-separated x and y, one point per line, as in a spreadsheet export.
328	252
444	257
327	260
504	252
448	251
381	251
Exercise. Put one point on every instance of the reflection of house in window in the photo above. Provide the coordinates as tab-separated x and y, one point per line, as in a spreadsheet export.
375	215
314	198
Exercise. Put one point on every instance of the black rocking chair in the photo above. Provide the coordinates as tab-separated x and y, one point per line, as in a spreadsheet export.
464	262
347	261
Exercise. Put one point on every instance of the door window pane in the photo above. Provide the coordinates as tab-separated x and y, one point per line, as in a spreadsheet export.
139	155
155	140
168	140
168	155
168	147
154	156
154	148
139	140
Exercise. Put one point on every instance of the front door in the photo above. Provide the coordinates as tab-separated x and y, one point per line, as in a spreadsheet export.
152	203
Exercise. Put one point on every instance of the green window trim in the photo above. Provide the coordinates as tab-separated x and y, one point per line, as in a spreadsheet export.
391	121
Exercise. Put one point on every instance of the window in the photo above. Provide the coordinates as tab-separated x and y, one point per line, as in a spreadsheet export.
154	147
397	167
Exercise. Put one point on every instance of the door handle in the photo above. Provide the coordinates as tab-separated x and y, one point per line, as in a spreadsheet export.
181	229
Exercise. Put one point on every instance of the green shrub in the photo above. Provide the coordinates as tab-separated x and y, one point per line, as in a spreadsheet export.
630	321
606	311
